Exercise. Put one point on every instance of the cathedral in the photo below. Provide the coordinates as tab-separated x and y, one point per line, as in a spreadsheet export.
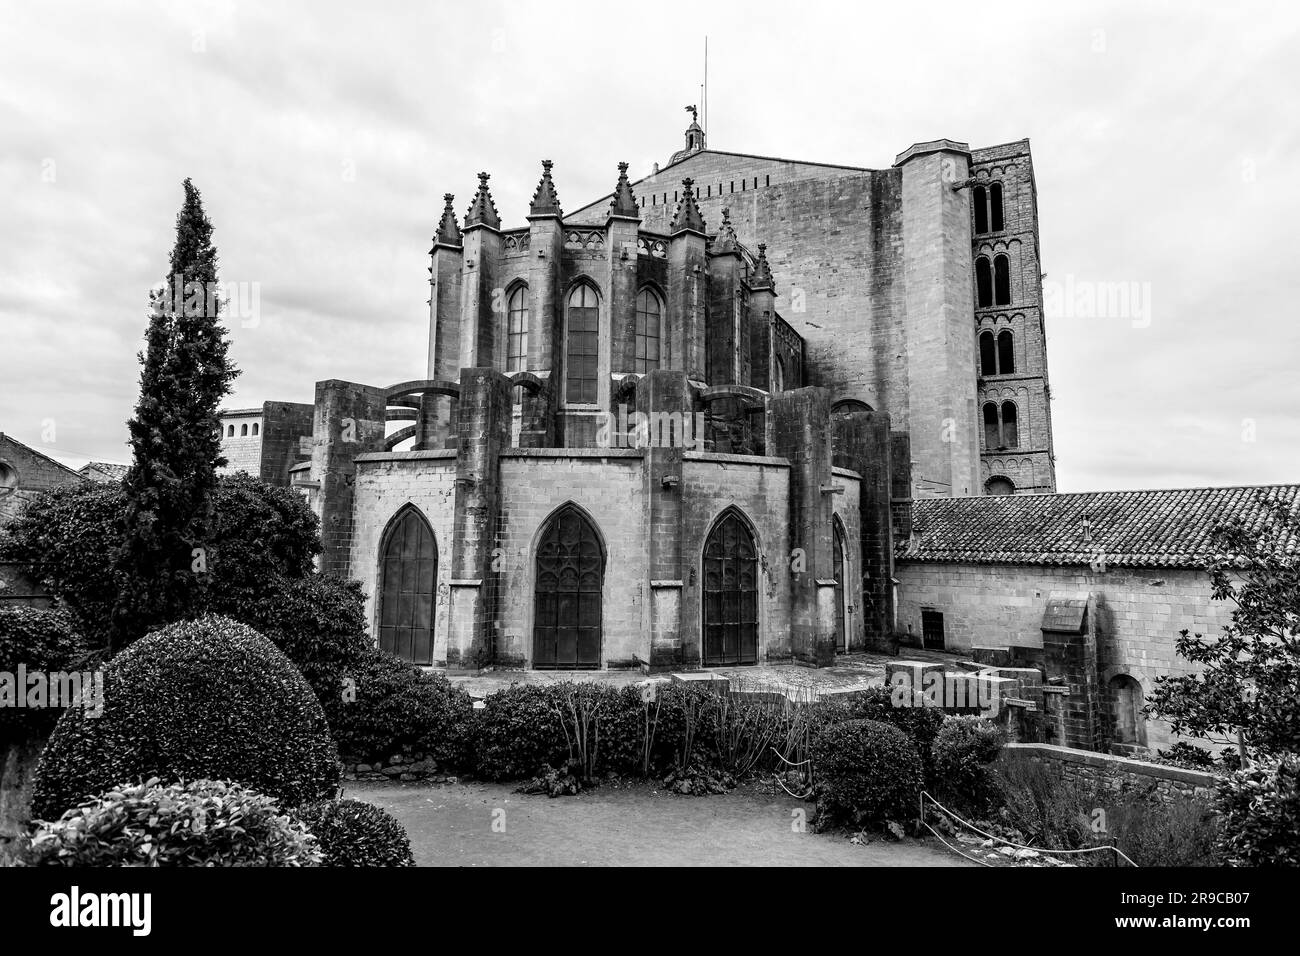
683	425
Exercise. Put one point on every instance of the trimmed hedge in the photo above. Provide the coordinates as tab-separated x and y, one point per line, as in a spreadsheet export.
398	704
200	699
921	724
202	823
866	772
39	640
962	762
352	833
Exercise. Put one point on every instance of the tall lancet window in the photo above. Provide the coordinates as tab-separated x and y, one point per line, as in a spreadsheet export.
517	330
649	315
581	351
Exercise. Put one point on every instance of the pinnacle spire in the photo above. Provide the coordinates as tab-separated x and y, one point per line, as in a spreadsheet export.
483	211
761	278
687	215
624	203
448	232
725	241
545	200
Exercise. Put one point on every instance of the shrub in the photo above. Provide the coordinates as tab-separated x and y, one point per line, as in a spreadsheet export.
39	640
200	699
518	732
202	823
1260	809
963	755
398	704
1184	754
1179	832
865	771
1041	805
921	724
352	833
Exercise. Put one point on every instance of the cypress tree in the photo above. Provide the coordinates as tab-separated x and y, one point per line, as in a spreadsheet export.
175	438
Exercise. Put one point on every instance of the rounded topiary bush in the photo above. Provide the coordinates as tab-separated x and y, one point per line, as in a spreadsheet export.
352	833
208	698
865	772
963	754
202	823
37	640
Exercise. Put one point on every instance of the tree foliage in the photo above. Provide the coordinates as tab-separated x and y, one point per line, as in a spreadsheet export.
174	436
1248	677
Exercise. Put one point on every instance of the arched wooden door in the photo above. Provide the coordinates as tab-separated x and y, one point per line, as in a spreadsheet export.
570	582
408	580
730	594
841	629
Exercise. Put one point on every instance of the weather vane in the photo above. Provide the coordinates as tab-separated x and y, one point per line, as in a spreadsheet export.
692	110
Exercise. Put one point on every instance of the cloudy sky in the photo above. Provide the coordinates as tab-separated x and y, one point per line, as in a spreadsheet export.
324	134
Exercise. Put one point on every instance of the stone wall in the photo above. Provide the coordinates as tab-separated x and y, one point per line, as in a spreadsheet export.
1139	613
1104	772
33	474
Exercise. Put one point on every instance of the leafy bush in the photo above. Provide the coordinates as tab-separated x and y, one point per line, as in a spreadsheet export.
1041	805
921	724
399	704
202	823
1260	809
39	640
1180	832
866	772
518	732
200	699
352	833
963	755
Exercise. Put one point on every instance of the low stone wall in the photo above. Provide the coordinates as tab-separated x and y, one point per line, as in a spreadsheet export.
1107	772
406	766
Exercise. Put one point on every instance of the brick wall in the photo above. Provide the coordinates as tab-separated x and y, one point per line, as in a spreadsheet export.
1139	613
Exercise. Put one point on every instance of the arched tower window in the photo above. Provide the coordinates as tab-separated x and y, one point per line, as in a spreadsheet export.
730	593
1001	280
995	204
517	330
570	581
992	434
649	317
998	485
243	430
988	354
408	578
983	283
980	200
1006	353
255	428
230	431
581	359
1010	430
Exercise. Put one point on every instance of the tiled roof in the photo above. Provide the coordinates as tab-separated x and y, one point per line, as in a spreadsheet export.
1126	528
103	471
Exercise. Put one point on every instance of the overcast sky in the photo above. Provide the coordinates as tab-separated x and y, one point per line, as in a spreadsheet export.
323	135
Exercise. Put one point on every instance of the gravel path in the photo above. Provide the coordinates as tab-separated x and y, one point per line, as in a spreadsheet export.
624	825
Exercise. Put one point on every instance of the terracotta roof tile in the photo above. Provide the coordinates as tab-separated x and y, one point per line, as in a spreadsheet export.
1126	528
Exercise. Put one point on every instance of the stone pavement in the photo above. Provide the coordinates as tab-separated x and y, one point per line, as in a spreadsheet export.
850	672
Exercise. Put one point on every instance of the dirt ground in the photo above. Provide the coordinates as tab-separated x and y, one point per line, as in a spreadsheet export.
485	824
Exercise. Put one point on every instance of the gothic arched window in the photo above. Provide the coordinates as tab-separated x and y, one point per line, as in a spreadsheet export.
568	592
649	316
517	330
408	580
581	358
